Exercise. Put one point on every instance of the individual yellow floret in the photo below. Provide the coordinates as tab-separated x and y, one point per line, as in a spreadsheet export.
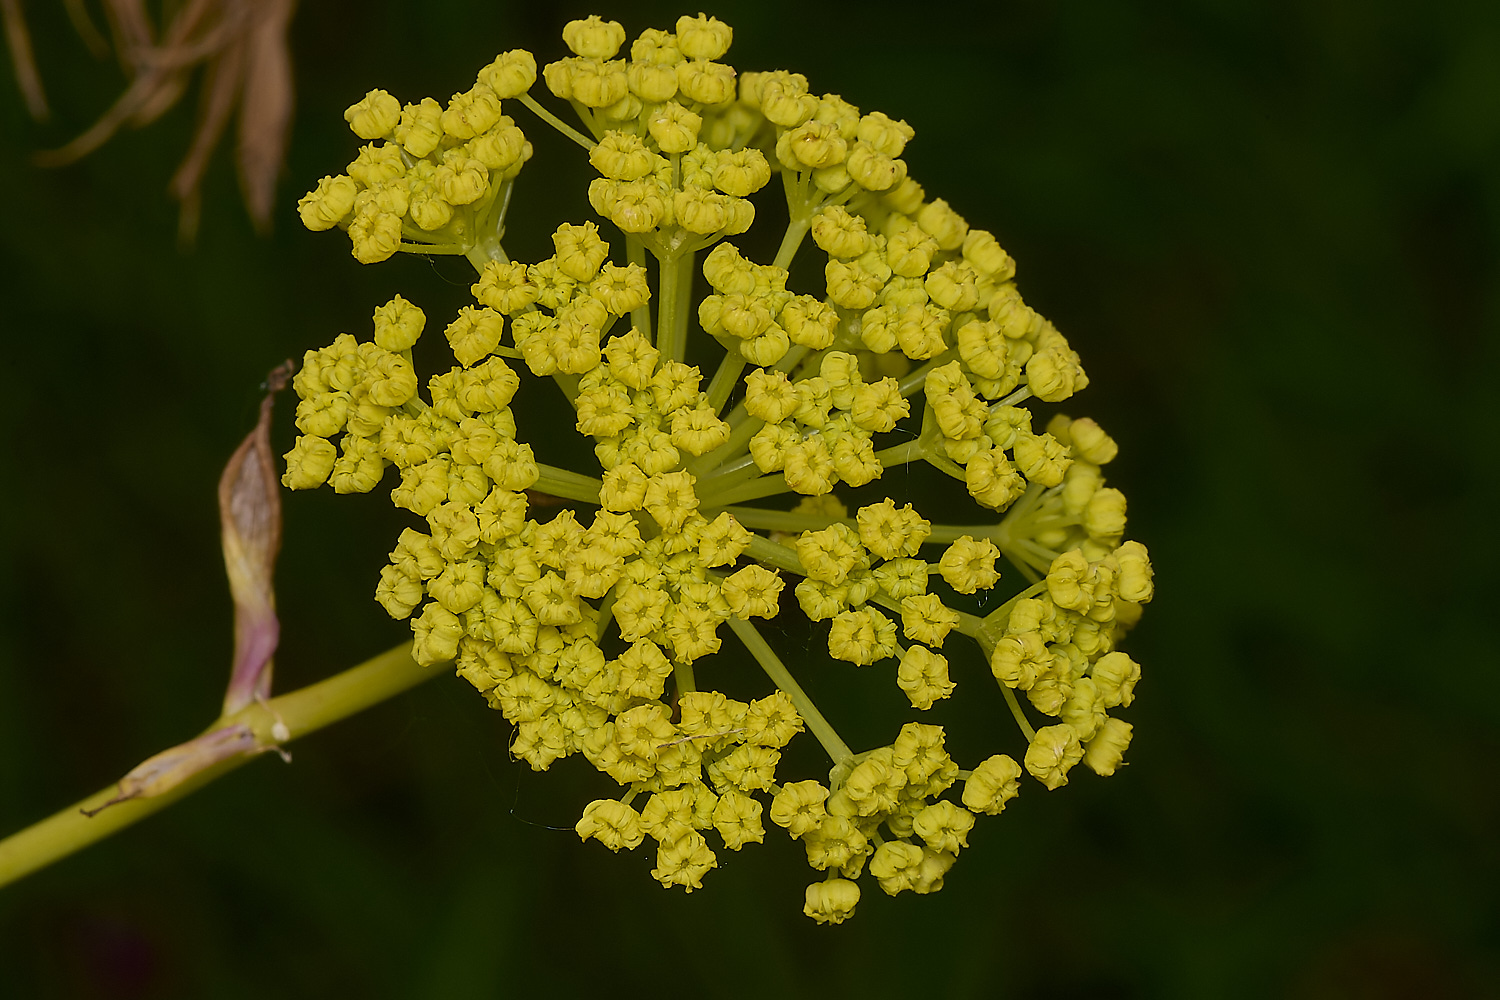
1052	754
770	395
924	618
897	866
809	467
674	127
811	144
840	234
374	236
475	334
985	255
831	902
399	591
1018	660
708	83
359	468
830	554
923	675
511	74
953	286
683	859
1134	582
891	533
309	463
703	37
398	324
502	149
946	226
968	565
474	111
749	767
594	83
374	116
421	127
593	37
772	721
799	807
740	172
723	540
873	787
580	250
1104	516
622	156
1041	458
436	632
1054	373
613	823
944	826
1070	581
1105	752
652	73
1116	676
837	843
862	637
670	499
992	480
737	819
992	784
329	203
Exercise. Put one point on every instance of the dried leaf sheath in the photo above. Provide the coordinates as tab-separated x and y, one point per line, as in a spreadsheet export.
250	517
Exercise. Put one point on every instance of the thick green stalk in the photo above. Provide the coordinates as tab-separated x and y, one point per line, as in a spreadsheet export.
556	122
671	318
567	484
301	712
635	253
782	678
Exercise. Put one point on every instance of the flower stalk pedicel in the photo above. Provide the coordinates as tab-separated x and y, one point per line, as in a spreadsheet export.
587	628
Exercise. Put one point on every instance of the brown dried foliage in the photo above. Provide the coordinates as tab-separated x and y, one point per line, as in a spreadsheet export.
241	47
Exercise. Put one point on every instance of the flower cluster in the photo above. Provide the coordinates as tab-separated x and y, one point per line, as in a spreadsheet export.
431	174
916	349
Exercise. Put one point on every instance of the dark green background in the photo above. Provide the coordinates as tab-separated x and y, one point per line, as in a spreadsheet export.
1270	228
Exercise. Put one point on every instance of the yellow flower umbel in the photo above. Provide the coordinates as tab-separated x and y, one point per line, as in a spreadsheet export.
584	627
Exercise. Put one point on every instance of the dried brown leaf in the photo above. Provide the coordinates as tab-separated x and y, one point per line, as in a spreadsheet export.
160	773
18	38
266	109
250	522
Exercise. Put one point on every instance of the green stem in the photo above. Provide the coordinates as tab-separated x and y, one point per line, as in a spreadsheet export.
1020	395
489	226
945	465
755	489
991	628
434	249
760	519
556	122
1015	710
682	673
796	232
765	551
301	712
566	484
791	359
900	454
740	433
635	253
782	678
726	377
913	380
671	328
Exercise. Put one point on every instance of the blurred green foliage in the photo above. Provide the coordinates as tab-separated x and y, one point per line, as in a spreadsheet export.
1270	229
